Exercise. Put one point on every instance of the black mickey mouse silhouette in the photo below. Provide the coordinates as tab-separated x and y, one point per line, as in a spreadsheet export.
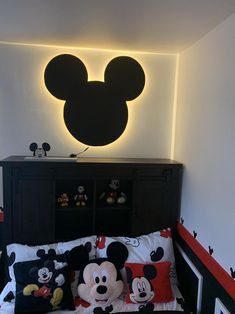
95	112
9	297
99	310
148	307
232	273
157	255
183	305
11	258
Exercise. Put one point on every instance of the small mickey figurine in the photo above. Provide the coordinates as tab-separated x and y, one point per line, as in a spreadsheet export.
63	200
80	197
113	195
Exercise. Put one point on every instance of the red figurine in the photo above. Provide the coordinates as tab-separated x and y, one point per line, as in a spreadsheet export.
63	200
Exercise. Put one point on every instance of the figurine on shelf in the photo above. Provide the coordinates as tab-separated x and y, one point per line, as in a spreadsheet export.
63	200
113	195
80	198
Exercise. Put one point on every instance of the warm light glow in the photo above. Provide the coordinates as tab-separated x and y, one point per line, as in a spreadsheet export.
96	61
174	109
88	48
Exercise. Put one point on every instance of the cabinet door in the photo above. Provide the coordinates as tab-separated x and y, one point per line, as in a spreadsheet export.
156	203
33	214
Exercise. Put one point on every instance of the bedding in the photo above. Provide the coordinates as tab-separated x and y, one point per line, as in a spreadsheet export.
153	247
150	256
119	305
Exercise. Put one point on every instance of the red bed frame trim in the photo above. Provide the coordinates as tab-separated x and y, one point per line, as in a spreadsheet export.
1	216
226	281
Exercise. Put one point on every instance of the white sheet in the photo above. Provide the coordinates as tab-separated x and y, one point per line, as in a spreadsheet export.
118	305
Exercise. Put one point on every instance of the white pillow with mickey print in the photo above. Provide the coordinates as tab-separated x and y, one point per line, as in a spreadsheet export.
153	247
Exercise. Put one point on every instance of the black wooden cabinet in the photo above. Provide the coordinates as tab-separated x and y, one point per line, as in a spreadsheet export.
31	189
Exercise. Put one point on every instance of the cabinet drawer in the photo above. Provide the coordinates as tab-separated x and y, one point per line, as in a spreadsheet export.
92	171
37	171
159	171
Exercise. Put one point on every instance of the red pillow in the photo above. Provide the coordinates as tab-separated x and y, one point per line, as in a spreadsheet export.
148	282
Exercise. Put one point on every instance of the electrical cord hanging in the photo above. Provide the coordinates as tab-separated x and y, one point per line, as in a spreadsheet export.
76	155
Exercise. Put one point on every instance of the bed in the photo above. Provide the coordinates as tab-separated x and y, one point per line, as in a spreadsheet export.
154	249
141	261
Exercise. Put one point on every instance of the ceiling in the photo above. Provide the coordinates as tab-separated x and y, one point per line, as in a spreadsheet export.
164	26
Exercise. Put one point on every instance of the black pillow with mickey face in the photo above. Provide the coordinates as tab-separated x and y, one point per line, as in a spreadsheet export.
95	112
43	285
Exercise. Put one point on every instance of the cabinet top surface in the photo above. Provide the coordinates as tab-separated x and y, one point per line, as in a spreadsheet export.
84	160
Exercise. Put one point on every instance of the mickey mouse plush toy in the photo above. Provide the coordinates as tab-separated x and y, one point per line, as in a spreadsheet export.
80	198
100	281
113	194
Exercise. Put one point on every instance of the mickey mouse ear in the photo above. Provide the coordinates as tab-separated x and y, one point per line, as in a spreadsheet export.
65	76
33	147
125	77
117	252
46	146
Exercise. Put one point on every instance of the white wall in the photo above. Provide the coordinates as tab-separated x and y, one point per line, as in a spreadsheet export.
205	140
28	112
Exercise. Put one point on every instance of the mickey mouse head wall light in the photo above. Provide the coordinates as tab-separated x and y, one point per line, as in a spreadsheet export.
95	112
